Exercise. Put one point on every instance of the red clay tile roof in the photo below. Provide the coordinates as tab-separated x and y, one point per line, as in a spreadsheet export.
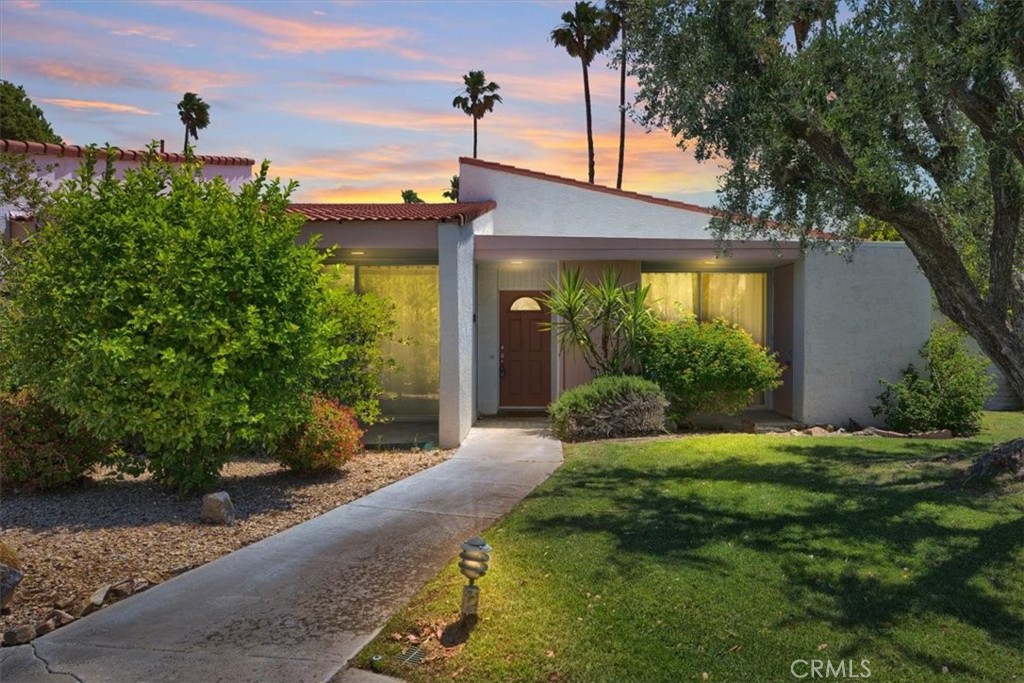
505	168
23	147
461	212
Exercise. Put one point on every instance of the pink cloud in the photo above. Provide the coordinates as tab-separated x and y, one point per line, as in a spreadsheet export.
93	105
168	77
295	36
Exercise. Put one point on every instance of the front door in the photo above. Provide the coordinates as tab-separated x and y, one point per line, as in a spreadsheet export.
525	351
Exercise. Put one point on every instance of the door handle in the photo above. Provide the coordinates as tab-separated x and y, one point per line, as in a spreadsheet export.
501	371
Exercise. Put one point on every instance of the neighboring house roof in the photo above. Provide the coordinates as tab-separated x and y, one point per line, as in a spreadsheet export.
460	212
515	170
49	148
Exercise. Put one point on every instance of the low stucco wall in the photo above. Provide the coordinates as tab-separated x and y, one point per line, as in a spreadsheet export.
855	322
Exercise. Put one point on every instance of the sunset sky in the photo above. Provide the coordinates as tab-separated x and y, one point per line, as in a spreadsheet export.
352	99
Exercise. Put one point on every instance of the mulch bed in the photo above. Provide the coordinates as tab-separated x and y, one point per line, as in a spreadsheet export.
71	542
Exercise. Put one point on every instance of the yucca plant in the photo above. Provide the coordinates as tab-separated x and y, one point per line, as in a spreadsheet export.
603	321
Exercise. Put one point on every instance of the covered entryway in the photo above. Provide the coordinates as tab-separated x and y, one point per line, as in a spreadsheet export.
524	361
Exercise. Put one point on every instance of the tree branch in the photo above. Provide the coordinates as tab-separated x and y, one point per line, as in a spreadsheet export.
985	111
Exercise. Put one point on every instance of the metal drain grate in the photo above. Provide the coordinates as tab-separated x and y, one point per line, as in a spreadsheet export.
414	655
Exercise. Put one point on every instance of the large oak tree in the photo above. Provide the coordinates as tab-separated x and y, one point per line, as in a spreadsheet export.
910	112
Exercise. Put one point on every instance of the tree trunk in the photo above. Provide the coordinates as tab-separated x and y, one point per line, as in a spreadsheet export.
590	124
184	148
474	137
622	109
958	297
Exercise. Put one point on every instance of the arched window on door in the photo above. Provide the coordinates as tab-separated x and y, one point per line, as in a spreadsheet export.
525	303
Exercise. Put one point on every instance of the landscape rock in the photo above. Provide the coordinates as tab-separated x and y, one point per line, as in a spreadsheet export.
61	617
19	635
9	580
218	509
95	601
46	627
140	584
935	434
875	431
120	591
817	431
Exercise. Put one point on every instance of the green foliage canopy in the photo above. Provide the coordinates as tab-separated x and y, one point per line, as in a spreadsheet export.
906	111
168	309
20	119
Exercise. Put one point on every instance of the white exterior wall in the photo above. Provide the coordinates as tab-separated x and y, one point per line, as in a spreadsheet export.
855	323
533	206
54	169
457	391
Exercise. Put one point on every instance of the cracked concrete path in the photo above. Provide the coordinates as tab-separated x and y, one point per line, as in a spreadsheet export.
297	606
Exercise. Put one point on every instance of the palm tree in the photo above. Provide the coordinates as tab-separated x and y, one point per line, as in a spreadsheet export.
411	197
618	8
477	99
452	192
195	114
584	33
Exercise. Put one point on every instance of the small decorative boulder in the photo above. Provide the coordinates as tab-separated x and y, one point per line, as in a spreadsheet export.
19	635
9	580
218	509
95	601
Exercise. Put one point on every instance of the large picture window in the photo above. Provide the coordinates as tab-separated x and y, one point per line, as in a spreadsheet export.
740	298
415	382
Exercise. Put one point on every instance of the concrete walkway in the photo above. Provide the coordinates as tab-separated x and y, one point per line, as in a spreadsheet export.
297	606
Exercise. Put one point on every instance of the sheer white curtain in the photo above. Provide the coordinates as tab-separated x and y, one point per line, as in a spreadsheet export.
737	297
672	295
415	381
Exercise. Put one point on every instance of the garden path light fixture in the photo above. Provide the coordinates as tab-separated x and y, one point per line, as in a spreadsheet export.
474	558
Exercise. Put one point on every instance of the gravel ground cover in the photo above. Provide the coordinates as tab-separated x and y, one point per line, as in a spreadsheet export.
73	541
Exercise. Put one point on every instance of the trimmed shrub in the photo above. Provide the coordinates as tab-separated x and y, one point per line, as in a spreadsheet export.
358	325
951	395
328	439
708	367
609	407
169	308
38	448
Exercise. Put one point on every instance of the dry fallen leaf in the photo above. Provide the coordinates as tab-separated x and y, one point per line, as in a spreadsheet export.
551	653
823	646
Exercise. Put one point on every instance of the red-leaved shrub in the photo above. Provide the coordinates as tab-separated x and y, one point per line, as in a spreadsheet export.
327	441
38	449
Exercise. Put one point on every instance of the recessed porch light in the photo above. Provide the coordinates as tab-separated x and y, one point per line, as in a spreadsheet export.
357	253
516	263
710	263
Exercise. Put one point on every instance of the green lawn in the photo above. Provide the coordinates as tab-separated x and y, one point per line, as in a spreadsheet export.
733	556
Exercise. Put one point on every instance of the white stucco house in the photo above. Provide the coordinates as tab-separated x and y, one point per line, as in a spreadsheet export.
58	162
466	277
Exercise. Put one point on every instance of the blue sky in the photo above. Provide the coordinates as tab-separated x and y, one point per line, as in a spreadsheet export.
352	99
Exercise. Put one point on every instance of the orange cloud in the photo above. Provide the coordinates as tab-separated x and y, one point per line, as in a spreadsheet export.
296	36
86	105
166	77
371	175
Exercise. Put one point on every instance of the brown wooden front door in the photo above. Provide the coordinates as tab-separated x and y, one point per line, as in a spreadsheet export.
524	359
